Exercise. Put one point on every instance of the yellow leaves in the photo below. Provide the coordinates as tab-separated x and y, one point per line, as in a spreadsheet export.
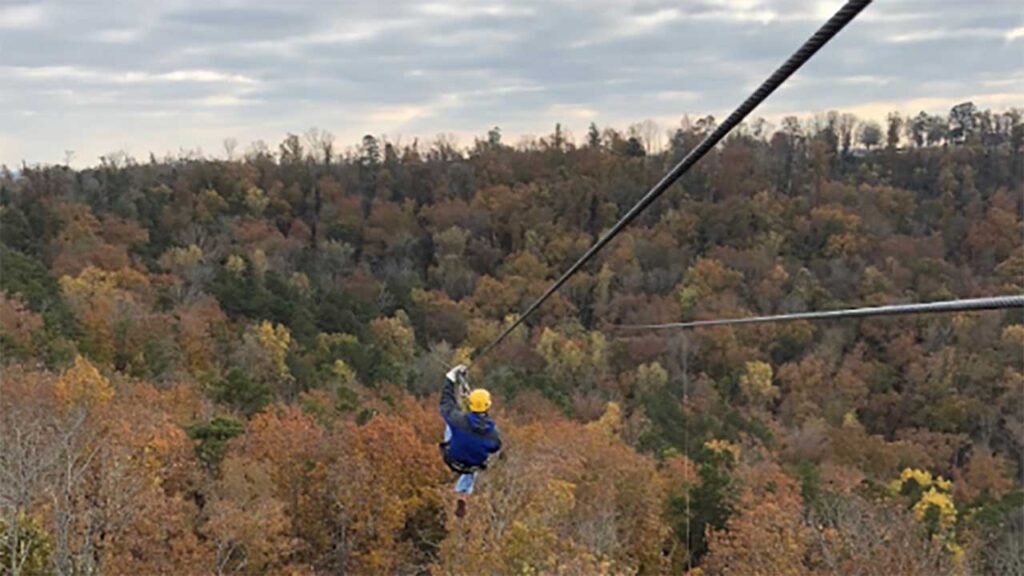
957	551
256	200
275	336
876	285
525	264
559	498
922	477
210	205
325	342
93	282
650	377
756	383
83	384
709	275
842	229
275	339
235	265
611	422
844	244
492	298
572	360
705	278
528	550
100	299
850	420
837	216
462	355
532	545
395	336
567	354
181	261
935	507
480	331
451	242
894	487
264	352
519	335
598	349
1014	336
34	548
259	262
345	375
941	502
724	447
301	283
195	333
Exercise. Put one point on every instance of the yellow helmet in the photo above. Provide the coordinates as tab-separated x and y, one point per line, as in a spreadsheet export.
479	400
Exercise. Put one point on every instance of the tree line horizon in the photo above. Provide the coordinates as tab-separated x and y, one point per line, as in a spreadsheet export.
964	121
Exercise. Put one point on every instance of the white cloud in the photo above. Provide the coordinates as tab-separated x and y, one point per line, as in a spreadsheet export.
464	10
71	97
571	112
392	116
118	35
22	17
864	79
677	96
945	34
644	22
200	76
224	101
345	32
932	104
130	77
187	73
1010	78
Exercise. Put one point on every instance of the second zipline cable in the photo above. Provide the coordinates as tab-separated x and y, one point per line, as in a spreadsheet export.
837	22
968	305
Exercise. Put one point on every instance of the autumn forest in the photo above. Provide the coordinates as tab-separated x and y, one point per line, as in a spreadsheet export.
230	364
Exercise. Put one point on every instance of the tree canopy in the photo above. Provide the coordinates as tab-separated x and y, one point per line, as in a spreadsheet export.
232	366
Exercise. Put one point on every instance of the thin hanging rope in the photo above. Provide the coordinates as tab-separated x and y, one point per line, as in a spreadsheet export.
993	303
686	450
824	34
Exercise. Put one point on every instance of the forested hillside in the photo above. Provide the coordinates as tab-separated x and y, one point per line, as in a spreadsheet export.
232	366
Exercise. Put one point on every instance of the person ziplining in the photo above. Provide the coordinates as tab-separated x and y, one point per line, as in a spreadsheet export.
470	436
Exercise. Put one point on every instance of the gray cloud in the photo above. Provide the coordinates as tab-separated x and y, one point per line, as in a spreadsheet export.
102	75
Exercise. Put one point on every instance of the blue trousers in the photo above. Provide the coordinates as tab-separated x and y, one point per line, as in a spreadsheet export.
465	483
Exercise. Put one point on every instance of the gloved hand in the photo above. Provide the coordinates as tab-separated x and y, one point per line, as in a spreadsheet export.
457	373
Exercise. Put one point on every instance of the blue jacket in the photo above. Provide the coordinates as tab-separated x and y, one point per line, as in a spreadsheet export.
474	436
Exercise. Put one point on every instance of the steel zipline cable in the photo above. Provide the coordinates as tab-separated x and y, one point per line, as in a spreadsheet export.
993	303
824	34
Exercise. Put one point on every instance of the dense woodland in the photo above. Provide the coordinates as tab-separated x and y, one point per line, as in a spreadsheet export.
231	366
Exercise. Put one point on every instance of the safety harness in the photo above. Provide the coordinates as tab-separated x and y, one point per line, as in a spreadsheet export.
455	465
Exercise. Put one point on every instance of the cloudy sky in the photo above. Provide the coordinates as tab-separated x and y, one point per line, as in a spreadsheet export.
96	76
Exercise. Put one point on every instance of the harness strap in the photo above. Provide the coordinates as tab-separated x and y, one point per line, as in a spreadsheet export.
455	465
